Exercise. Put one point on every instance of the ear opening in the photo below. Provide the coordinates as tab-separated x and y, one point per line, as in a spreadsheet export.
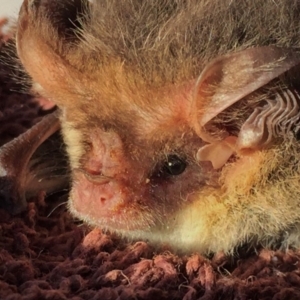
231	77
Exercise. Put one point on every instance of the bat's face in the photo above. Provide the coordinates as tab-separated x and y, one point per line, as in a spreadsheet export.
203	160
135	172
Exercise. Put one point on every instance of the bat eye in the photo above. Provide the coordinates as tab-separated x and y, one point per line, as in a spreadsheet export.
174	165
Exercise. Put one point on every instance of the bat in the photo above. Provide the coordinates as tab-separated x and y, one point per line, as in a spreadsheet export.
181	118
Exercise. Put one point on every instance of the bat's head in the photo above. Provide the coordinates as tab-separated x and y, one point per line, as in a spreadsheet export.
166	142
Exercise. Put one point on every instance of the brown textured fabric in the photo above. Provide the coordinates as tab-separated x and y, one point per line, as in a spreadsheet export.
46	254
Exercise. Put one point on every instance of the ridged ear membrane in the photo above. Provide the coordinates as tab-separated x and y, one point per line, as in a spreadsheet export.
231	77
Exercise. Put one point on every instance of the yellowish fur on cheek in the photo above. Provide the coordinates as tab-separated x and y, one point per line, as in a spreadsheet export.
213	221
195	222
258	201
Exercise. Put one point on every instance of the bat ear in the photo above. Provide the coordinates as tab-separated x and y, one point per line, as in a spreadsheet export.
47	42
229	78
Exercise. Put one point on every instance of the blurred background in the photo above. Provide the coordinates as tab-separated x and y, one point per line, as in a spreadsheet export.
9	8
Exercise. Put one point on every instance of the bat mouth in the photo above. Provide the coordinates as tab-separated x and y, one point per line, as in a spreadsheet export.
109	203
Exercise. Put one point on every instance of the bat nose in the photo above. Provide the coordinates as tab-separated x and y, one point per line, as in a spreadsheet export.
101	198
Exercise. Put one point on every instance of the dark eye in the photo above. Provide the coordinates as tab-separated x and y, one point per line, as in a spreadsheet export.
174	165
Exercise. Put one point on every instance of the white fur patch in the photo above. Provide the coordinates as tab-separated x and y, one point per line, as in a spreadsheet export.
73	140
3	172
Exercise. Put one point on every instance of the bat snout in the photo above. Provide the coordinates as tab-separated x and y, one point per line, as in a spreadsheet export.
105	202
